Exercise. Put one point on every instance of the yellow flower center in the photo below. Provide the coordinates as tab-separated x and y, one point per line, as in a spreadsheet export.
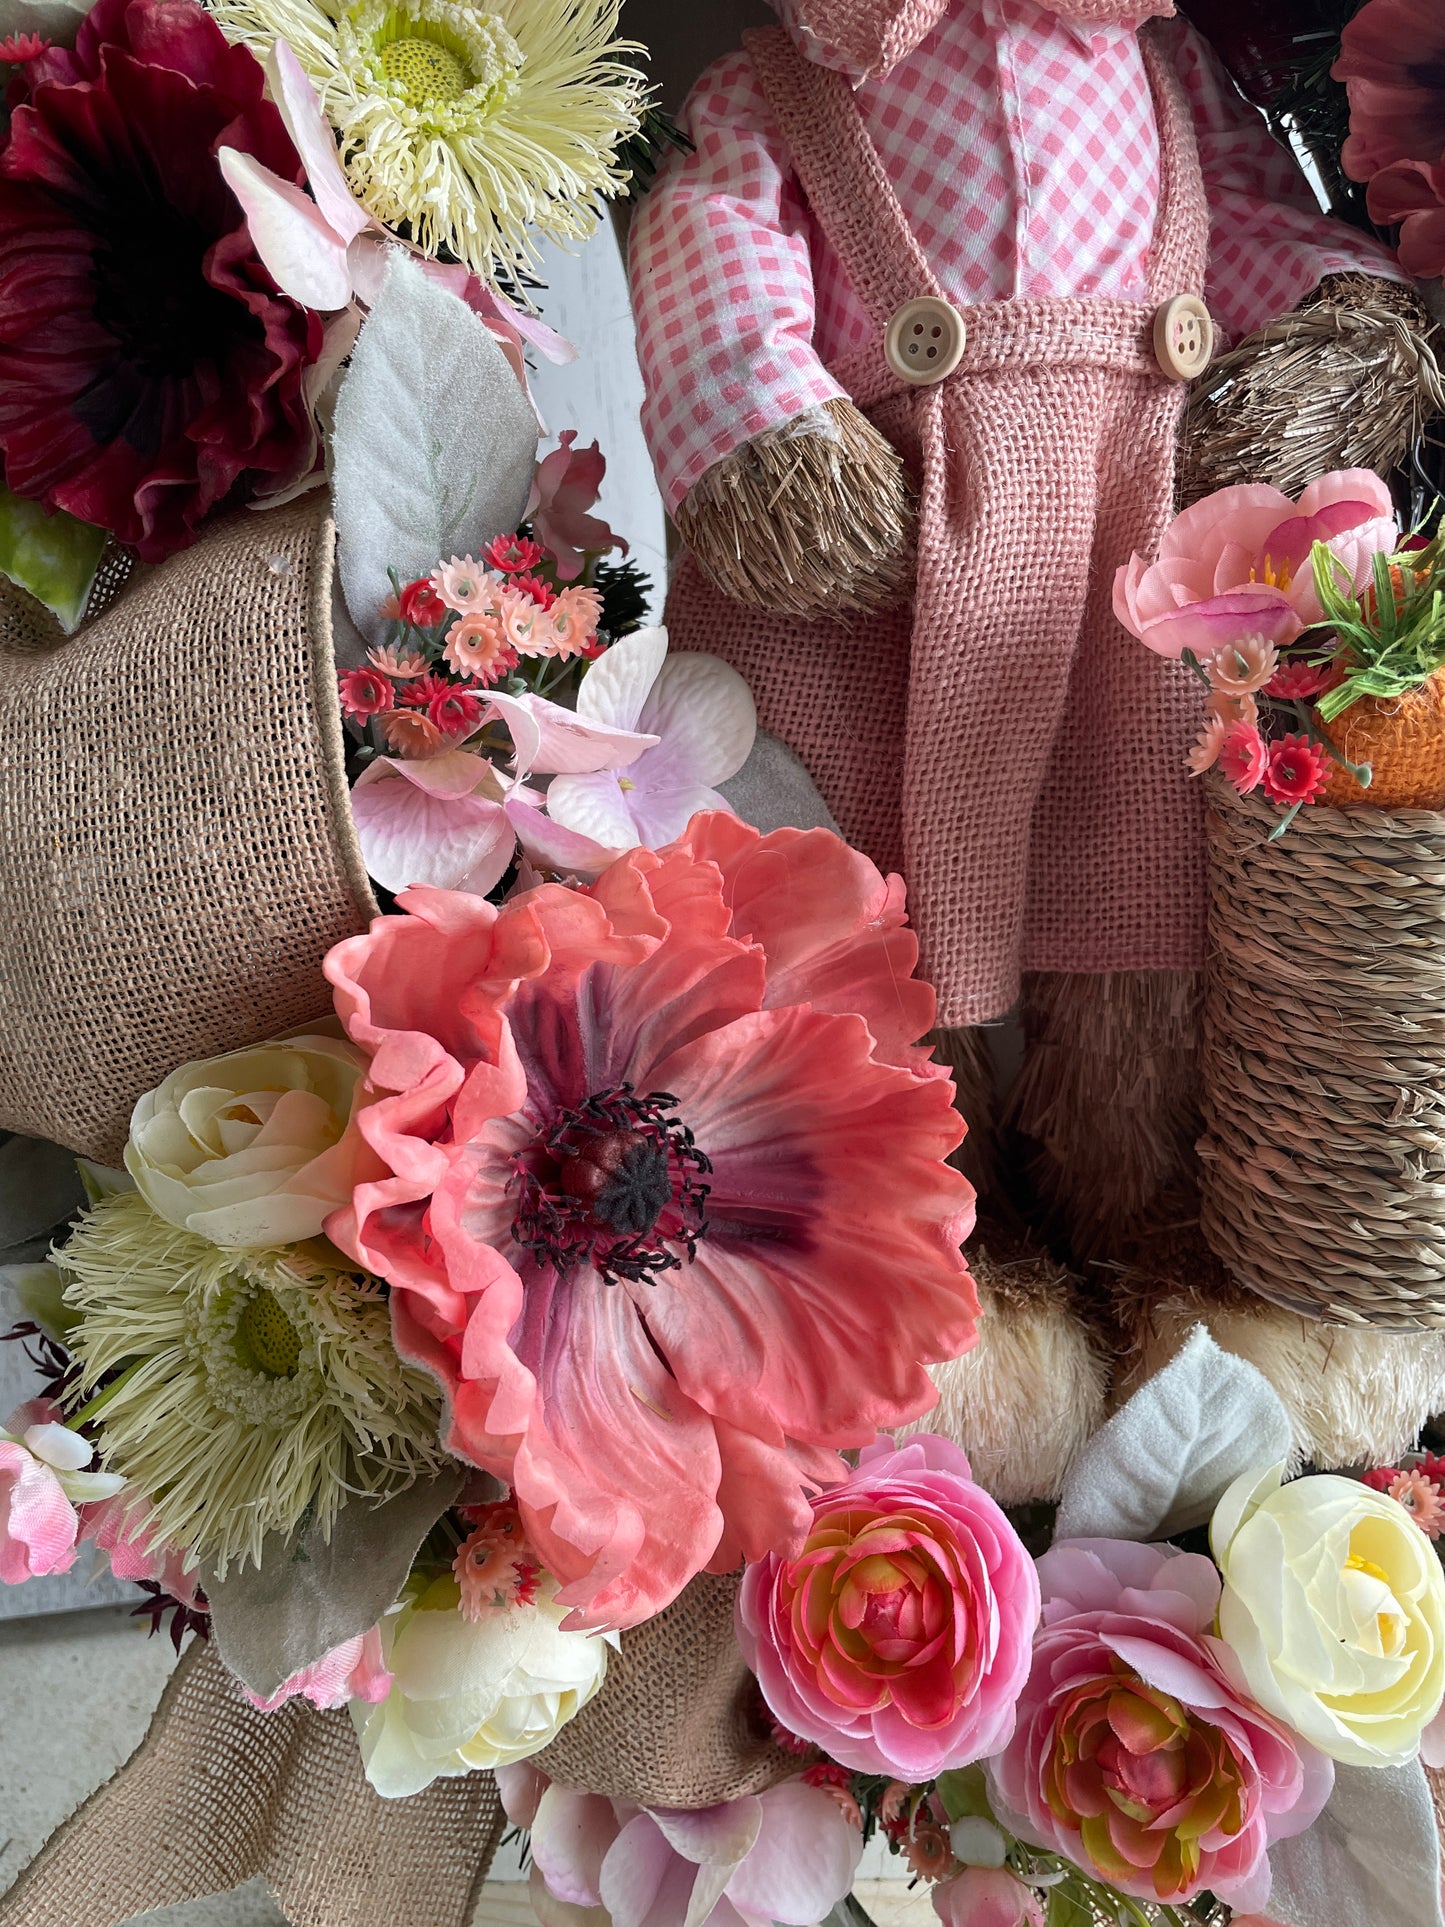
1389	1625
266	1334
425	70
1277	575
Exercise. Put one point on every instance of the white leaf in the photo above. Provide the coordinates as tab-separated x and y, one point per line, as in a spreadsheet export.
1161	1463
1372	1859
435	442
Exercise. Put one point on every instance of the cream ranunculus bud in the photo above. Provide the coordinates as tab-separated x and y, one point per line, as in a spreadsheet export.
1333	1611
469	1693
257	1148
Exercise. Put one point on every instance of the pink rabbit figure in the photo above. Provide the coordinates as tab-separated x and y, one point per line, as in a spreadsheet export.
918	317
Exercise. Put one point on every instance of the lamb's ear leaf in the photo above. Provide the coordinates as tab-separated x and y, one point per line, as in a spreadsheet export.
435	441
1161	1463
1372	1859
309	1594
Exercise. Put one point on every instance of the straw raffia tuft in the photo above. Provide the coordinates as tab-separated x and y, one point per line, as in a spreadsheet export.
1346	381
815	518
1324	1059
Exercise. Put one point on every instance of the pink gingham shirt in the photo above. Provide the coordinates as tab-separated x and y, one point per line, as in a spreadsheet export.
1026	152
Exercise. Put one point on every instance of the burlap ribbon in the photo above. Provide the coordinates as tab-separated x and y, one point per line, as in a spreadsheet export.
176	847
218	1793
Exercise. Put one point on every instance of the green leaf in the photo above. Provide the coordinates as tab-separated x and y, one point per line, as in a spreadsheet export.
1066	1910
54	557
101	1182
965	1794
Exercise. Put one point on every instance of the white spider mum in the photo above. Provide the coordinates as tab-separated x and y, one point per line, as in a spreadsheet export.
255	1388
476	127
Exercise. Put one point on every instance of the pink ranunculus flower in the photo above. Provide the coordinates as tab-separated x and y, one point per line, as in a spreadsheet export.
649	1148
120	1528
987	1897
899	1637
1134	1755
354	1670
783	1858
565	490
1237	563
42	1481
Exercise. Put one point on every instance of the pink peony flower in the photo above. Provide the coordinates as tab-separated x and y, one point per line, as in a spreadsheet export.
1134	1755
785	1856
1391	58
899	1637
987	1897
354	1670
1411	194
1297	770
1238	563
651	1146
566	487
120	1529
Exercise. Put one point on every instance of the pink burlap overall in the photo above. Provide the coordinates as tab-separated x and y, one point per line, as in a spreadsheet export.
1002	741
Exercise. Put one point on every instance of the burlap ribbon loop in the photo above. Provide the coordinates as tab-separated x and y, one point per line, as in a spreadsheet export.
176	846
218	1794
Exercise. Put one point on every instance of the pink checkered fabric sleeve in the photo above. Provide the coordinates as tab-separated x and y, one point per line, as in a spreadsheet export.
723	287
1269	244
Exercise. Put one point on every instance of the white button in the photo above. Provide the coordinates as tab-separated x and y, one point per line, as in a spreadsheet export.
1183	337
925	341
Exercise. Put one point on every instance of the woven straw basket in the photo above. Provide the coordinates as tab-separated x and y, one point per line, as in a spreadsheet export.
176	846
1324	1059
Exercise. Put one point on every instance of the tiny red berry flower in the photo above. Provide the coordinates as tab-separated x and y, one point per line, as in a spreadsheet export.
1297	770
420	605
542	593
455	711
513	554
365	693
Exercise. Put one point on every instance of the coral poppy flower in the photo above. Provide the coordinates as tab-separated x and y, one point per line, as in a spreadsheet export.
149	370
1392	55
668	1214
1237	563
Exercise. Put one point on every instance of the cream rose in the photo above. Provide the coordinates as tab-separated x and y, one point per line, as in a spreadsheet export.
1334	1612
473	1693
255	1148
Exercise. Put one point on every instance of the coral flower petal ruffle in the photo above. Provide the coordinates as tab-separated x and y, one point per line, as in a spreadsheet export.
652	1425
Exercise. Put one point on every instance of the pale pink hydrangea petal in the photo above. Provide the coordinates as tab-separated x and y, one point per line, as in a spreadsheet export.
571	1833
987	1897
418	824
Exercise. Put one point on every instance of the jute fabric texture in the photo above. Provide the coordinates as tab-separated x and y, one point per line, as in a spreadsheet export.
986	741
1324	1059
679	1721
218	1793
176	846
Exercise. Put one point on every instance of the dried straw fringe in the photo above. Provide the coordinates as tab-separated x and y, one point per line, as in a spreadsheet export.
845	545
1324	1059
1108	1093
1354	1396
1346	381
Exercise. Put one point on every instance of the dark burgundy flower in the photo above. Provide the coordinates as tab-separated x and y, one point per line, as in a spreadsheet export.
1392	61
149	369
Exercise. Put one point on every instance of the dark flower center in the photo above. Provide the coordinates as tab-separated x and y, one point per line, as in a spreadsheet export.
154	301
615	1183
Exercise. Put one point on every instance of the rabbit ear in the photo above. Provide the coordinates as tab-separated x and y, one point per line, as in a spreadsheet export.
860	38
177	852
